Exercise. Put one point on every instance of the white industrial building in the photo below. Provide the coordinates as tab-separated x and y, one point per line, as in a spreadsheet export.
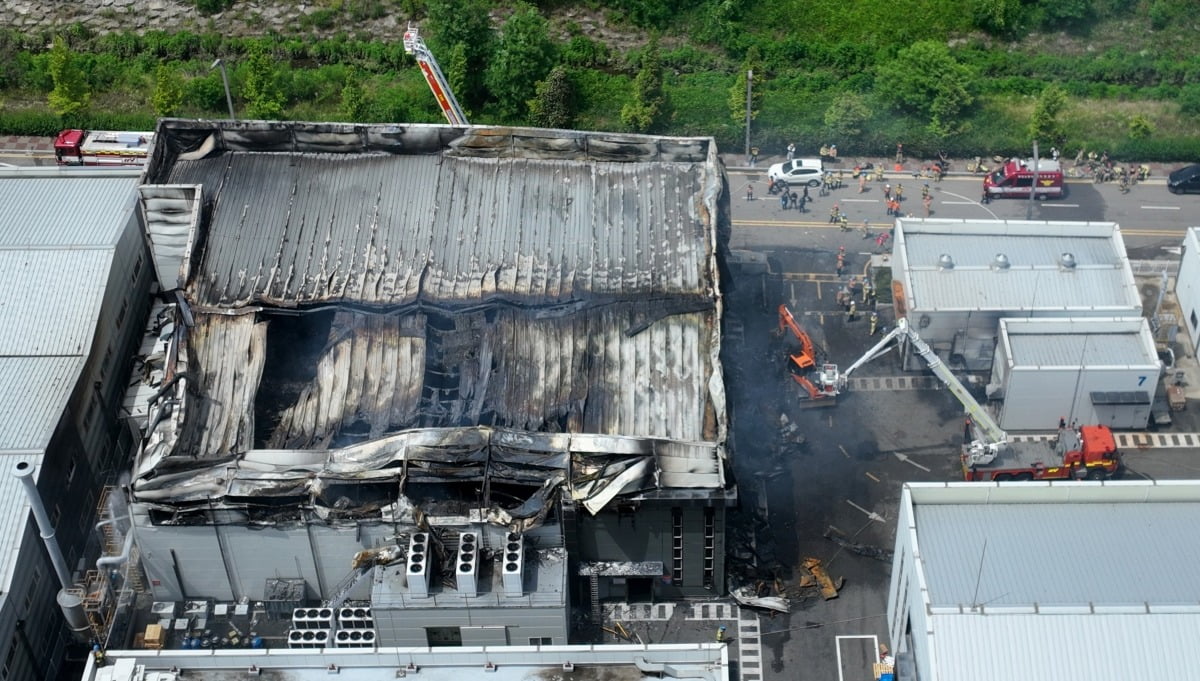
75	276
1187	286
700	661
1046	581
1091	370
956	279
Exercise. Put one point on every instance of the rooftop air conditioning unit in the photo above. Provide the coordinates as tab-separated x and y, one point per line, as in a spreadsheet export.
512	564
417	567
466	569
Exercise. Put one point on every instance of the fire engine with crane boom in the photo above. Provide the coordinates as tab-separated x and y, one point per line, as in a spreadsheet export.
1089	452
102	148
415	45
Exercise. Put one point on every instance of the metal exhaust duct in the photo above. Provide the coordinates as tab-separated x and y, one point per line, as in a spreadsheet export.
24	472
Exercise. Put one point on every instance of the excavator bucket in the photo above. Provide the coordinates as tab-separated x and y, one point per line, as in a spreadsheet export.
829	588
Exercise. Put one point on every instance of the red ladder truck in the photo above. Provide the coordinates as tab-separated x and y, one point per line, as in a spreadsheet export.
1088	452
414	45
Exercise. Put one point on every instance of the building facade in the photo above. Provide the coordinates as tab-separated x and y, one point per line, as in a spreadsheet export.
981	590
76	275
956	279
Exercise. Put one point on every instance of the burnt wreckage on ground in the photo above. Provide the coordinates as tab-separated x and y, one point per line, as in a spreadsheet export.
390	331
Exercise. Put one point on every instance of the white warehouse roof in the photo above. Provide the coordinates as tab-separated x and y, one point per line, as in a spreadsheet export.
1081	341
1014	266
1056	580
58	234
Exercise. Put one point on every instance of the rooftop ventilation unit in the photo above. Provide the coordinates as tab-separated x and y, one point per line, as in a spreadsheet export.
1001	263
512	564
945	262
1066	261
355	618
312	618
417	567
308	638
466	568
354	638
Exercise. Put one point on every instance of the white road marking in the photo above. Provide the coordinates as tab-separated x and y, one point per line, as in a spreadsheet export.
1060	205
1160	207
969	202
860	200
838	647
960	203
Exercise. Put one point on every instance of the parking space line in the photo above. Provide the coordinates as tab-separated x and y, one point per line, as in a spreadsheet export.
1059	205
1160	207
838	646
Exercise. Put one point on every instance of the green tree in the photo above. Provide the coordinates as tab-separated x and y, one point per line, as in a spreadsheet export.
523	56
354	105
925	79
647	106
997	17
264	98
465	26
846	114
553	107
737	91
1044	124
167	99
70	94
1139	127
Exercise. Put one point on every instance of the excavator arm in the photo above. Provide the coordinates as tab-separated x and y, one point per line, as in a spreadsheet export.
807	357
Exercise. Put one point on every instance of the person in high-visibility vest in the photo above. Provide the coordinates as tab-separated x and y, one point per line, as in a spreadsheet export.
874	323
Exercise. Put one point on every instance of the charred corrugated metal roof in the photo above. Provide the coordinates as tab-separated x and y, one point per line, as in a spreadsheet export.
349	284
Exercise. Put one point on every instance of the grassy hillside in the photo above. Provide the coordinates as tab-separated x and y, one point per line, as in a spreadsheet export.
966	76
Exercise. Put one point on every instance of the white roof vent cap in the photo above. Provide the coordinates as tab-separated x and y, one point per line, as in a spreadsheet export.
1001	262
945	262
1067	261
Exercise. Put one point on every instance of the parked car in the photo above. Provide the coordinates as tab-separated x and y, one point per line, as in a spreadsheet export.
798	171
1185	180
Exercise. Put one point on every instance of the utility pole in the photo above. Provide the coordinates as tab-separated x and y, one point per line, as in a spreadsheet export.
749	92
1033	189
220	63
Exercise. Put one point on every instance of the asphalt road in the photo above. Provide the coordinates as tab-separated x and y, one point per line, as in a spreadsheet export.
1151	218
842	469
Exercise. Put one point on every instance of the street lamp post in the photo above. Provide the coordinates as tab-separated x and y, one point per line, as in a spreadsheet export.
225	80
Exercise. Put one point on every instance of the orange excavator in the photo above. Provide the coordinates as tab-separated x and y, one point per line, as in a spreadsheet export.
804	362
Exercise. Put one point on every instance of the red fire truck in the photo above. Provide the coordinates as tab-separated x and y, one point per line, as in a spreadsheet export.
102	148
1014	179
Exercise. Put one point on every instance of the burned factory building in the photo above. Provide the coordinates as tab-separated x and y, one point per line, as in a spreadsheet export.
469	374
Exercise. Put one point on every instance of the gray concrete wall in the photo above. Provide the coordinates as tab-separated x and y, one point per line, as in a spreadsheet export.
479	626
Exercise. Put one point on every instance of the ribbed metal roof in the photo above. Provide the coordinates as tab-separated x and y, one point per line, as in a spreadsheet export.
52	211
1066	647
51	299
1033	278
14	516
33	395
1056	580
1060	554
1080	349
393	229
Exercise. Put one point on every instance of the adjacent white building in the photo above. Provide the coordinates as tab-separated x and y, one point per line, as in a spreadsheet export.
75	276
1187	286
957	278
700	661
1046	581
1091	370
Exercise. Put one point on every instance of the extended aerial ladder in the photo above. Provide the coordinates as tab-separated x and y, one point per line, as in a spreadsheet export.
989	438
414	45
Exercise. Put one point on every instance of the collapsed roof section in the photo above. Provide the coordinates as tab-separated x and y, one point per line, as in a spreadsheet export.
343	288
